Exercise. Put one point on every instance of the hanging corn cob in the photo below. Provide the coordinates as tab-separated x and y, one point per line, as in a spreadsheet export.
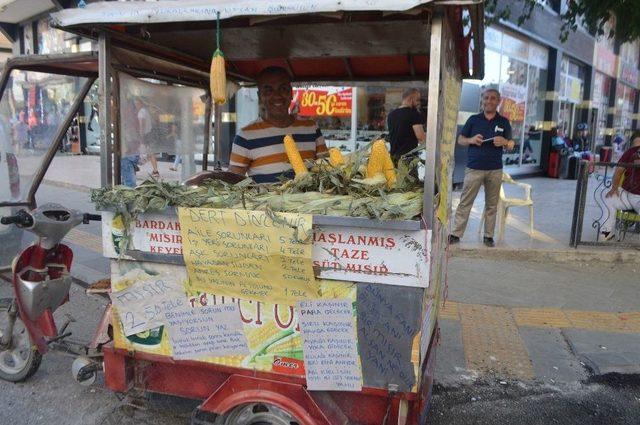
294	156
217	73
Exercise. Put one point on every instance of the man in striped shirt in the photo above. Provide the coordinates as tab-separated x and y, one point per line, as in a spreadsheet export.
258	149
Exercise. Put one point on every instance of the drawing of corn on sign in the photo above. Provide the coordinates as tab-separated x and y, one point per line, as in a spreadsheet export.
272	330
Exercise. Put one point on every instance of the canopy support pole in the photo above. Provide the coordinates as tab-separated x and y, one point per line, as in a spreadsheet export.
106	138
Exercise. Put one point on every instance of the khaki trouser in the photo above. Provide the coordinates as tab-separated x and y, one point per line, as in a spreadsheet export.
473	179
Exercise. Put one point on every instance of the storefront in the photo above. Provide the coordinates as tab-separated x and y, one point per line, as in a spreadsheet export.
518	69
626	90
571	95
606	68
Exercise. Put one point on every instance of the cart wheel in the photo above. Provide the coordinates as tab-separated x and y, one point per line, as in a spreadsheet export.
20	361
248	414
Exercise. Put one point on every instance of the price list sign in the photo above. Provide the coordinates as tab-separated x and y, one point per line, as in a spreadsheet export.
252	255
330	345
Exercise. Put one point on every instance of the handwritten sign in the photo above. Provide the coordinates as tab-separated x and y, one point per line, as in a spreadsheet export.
253	255
372	255
330	345
388	326
141	306
211	331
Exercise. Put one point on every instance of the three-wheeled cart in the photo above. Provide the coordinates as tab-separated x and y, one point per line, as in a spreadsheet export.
160	52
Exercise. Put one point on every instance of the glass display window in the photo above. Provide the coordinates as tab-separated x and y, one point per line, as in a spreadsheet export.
518	69
601	90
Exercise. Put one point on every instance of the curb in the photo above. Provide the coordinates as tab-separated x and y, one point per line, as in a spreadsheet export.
561	256
65	185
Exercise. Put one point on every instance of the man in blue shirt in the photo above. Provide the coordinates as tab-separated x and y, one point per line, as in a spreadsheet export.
486	134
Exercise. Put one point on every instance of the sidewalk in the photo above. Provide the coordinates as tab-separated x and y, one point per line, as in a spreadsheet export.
513	320
82	172
553	201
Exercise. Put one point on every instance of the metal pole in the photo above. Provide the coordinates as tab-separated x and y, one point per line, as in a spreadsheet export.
433	118
575	222
106	149
207	130
53	148
117	133
217	110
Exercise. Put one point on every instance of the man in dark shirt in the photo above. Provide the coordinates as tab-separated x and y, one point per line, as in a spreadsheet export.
405	125
486	134
625	188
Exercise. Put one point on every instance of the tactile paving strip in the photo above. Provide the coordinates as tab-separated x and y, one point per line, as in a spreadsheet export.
492	344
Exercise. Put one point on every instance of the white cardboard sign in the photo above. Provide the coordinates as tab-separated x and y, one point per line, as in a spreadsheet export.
372	255
142	305
209	331
330	345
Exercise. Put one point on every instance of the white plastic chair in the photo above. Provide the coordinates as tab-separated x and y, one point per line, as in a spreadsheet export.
505	203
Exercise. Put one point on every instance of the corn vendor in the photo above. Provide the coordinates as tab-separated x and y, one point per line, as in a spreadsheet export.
258	149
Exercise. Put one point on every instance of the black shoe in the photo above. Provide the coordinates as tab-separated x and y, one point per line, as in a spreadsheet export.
488	242
453	239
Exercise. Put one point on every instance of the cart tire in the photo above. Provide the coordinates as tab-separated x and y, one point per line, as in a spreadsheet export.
247	414
22	360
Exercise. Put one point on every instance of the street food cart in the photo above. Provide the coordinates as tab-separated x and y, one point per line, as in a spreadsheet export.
387	276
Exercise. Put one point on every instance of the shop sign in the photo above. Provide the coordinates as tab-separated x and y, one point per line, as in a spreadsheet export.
628	73
329	102
514	98
605	60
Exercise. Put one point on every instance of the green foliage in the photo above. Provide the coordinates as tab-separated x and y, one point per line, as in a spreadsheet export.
593	14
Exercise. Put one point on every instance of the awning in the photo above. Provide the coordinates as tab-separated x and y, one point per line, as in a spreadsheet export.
137	12
338	41
15	11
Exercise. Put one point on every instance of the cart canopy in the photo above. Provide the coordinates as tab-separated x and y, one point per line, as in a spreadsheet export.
321	41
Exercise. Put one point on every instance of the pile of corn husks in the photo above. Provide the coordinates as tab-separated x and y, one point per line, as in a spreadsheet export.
326	190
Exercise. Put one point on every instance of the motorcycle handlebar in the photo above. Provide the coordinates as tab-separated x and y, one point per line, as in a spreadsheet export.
22	218
91	217
10	219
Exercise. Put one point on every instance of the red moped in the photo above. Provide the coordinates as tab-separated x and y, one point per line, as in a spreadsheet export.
41	283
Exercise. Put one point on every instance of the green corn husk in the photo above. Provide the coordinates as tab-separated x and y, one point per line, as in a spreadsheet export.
325	190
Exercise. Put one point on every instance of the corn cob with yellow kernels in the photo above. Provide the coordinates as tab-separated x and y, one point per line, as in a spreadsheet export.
218	78
380	163
294	156
335	157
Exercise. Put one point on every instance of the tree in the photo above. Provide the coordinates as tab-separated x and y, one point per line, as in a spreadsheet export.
593	14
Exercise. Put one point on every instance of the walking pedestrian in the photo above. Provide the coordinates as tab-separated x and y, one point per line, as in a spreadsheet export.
486	134
406	125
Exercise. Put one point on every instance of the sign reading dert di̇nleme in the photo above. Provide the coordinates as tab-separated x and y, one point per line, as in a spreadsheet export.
256	255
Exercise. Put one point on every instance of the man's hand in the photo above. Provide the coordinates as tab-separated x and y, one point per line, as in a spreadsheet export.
476	140
500	141
612	192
